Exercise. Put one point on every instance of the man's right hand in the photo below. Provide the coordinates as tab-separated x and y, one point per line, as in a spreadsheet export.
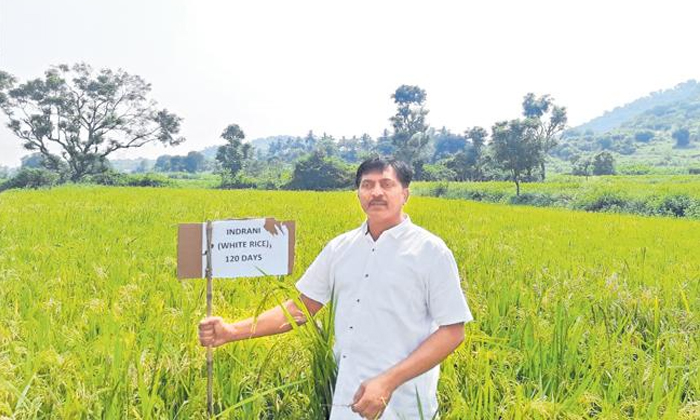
213	331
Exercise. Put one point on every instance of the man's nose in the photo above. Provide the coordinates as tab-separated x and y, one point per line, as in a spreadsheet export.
377	191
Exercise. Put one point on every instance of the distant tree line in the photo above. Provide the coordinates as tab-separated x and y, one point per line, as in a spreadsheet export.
74	118
192	162
516	150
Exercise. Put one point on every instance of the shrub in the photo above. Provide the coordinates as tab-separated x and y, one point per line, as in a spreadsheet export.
675	205
237	182
111	178
635	169
605	202
644	136
31	178
148	180
118	179
534	199
439	189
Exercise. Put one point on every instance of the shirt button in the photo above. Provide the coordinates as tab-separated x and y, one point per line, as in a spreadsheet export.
351	327
358	300
372	249
366	275
345	357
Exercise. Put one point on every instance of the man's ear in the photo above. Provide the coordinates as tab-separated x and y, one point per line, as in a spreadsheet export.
406	193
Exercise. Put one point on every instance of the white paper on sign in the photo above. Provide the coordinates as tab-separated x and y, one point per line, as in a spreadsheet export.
245	248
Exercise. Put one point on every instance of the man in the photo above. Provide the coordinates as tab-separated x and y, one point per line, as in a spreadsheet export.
399	307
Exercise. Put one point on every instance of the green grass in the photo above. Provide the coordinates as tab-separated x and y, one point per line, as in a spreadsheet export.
649	195
578	315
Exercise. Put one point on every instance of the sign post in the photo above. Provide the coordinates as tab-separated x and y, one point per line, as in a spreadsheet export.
229	249
210	352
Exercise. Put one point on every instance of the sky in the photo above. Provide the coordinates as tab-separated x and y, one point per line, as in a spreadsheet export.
287	67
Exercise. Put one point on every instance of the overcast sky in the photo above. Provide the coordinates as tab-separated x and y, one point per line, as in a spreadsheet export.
286	67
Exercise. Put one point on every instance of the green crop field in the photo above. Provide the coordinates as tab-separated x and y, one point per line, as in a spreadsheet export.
649	195
577	315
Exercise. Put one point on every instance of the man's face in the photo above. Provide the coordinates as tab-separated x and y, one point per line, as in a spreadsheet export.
381	195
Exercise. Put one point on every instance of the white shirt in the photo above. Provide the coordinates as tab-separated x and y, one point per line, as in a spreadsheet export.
389	295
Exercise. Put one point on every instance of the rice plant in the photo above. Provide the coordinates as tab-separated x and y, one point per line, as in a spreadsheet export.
577	315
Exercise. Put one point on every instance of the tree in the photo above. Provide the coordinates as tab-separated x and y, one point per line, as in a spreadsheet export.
550	121
177	163
319	172
142	167
385	145
581	166
682	137
233	155
603	164
477	136
409	124
309	142
33	160
7	81
194	162
163	163
462	164
644	136
447	144
326	144
76	117
366	147
516	147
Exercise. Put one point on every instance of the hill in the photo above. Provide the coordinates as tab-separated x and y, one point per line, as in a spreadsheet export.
683	93
643	130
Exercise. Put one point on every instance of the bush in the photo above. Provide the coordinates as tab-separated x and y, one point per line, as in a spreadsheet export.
238	182
118	179
604	202
148	180
603	164
635	169
534	199
31	178
676	205
111	178
682	137
439	189
644	136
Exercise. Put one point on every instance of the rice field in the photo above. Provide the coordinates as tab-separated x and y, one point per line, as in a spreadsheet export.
631	185
577	315
648	195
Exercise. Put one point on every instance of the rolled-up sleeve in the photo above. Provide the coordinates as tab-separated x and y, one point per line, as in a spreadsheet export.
446	302
316	281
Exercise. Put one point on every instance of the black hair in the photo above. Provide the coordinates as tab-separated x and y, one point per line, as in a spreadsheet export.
377	164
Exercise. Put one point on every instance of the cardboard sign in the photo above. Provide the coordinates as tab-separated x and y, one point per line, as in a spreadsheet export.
240	248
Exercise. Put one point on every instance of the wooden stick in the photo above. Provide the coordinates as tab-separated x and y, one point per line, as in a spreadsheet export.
210	356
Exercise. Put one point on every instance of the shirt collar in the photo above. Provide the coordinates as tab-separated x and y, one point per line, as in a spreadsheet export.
394	232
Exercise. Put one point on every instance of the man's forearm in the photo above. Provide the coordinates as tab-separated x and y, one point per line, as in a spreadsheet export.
270	322
429	354
275	320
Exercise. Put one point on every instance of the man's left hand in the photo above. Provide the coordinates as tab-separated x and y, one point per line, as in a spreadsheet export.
372	397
